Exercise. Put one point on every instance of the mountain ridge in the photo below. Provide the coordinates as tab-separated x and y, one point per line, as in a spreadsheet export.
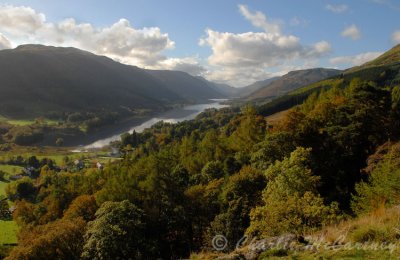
65	79
290	81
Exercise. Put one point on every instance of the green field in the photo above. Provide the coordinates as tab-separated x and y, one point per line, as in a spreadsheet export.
24	122
3	188
10	169
8	234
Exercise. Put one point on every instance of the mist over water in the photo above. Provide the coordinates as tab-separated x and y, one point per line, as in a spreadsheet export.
174	116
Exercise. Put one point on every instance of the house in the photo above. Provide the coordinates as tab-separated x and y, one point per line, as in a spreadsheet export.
28	171
114	152
79	164
99	166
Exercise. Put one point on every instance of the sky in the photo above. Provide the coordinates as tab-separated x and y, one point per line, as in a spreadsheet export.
226	41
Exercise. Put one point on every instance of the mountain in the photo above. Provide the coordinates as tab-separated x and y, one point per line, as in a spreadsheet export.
188	87
247	90
292	80
387	58
36	80
384	71
223	89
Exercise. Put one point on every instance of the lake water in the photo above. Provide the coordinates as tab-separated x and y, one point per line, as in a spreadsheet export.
172	116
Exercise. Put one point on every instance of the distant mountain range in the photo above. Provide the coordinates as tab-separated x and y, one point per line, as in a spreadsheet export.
37	79
279	86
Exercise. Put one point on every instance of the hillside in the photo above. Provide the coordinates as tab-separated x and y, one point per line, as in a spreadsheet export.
383	71
224	89
291	81
389	57
247	90
236	92
37	80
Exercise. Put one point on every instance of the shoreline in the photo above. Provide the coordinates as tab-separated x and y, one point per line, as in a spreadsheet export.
96	139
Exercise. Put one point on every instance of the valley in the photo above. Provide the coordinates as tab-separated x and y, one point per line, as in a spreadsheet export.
199	131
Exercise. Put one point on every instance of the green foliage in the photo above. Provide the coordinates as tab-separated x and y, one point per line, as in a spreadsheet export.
382	188
291	201
83	207
117	232
21	189
396	98
273	252
241	193
61	239
225	172
4	212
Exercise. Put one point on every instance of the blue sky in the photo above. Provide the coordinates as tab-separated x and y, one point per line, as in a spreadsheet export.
235	42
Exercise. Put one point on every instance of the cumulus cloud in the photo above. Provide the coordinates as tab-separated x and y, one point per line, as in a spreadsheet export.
396	37
352	32
337	8
252	54
121	41
355	60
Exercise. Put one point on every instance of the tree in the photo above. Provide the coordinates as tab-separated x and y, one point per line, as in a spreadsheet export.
61	239
4	212
21	189
251	130
396	97
241	193
2	175
83	206
291	201
116	233
33	162
275	147
383	186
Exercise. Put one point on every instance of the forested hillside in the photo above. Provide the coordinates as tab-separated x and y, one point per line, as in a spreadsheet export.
332	160
384	70
295	79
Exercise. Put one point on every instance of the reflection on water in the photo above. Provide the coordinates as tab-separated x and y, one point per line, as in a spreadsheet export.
169	117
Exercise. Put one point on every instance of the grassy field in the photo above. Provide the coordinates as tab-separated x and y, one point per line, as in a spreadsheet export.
8	232
23	122
3	188
10	169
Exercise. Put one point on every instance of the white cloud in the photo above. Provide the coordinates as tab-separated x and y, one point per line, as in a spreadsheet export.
4	42
250	56
352	32
121	41
396	37
259	20
355	60
189	65
337	8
